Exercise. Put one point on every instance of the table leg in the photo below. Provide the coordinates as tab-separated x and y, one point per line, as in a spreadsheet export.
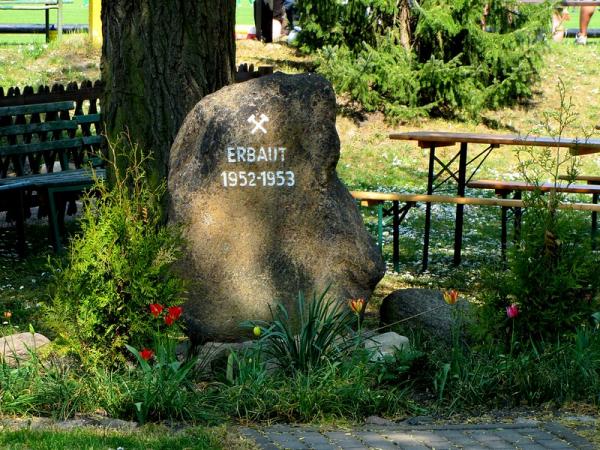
462	177
428	209
503	232
380	226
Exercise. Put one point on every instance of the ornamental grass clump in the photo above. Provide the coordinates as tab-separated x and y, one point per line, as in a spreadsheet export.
118	265
320	335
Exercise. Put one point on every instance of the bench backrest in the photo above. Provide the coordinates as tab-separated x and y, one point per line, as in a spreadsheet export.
33	138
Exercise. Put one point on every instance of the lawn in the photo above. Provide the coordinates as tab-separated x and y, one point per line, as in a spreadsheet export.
77	13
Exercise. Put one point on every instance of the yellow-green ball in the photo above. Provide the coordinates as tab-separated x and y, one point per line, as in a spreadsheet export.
256	330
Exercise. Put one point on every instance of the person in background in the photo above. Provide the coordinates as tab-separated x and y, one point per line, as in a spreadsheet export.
268	18
585	16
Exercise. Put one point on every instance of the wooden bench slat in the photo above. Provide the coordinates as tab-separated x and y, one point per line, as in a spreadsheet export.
65	177
480	201
56	125
36	108
24	149
87	118
524	186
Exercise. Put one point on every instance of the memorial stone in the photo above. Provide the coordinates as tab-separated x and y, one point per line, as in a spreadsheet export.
252	179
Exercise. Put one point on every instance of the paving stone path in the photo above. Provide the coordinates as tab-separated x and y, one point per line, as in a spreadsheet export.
533	435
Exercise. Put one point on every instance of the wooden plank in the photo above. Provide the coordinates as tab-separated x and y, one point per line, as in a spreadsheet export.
524	186
87	118
480	201
579	145
93	140
23	149
64	177
37	108
16	130
588	178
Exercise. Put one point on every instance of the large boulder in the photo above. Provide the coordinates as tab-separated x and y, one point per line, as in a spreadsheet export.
423	309
252	179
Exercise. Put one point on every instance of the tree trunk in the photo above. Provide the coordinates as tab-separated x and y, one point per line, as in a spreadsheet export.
158	59
404	25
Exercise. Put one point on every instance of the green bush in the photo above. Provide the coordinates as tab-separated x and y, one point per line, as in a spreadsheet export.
552	274
116	267
450	67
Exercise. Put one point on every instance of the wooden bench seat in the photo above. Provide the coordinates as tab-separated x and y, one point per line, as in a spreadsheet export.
47	149
512	186
378	199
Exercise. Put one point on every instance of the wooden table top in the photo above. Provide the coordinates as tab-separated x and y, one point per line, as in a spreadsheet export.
578	146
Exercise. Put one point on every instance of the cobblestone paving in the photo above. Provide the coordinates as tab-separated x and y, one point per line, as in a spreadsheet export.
529	436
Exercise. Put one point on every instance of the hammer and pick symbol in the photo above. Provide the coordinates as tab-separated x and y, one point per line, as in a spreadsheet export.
258	124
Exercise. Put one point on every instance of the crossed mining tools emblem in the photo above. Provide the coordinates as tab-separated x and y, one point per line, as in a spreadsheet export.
258	124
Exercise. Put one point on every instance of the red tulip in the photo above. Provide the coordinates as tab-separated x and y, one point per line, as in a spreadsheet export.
512	311
146	354
169	319
156	309
175	312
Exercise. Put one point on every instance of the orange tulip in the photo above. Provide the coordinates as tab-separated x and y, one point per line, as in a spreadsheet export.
451	296
357	305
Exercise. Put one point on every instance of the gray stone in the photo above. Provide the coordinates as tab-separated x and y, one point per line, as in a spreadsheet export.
424	309
19	347
252	179
376	420
386	344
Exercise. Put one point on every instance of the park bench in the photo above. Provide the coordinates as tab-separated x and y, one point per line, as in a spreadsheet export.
398	213
504	188
47	157
37	5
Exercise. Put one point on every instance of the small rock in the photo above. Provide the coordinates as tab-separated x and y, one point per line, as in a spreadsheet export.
419	420
376	420
386	344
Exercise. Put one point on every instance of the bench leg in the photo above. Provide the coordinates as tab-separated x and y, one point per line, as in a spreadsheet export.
594	221
518	214
20	224
53	220
458	230
396	235
428	210
503	232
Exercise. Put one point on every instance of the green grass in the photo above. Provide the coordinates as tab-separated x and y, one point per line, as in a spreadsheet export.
192	439
77	13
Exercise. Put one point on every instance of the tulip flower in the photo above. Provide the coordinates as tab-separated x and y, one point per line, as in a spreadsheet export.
451	296
356	305
169	319
7	314
146	354
257	331
156	309
512	311
175	312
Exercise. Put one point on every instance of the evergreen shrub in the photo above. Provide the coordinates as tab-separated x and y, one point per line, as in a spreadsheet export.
451	67
116	267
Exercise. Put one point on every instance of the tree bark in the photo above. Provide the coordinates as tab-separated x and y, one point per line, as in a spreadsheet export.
158	59
404	25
